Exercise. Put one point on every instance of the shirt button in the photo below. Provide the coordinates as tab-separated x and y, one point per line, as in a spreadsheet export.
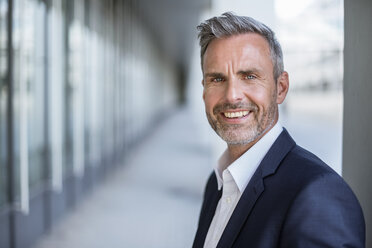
228	200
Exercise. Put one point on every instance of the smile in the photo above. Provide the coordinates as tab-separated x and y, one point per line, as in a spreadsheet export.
238	114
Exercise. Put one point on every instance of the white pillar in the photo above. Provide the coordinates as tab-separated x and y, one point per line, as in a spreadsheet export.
357	134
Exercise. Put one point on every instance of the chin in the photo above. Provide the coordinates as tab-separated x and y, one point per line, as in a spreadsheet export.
237	139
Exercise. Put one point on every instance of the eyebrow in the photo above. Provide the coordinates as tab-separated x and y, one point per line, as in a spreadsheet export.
241	72
249	71
214	74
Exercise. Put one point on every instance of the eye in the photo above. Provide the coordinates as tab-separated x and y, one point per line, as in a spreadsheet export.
217	80
249	76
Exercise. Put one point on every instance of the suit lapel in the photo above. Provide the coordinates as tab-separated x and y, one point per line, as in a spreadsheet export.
255	188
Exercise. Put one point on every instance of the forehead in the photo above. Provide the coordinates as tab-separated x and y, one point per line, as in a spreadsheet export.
249	48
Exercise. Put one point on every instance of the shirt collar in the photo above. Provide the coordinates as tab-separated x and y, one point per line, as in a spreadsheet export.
244	167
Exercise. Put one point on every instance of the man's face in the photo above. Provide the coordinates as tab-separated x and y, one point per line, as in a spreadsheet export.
240	94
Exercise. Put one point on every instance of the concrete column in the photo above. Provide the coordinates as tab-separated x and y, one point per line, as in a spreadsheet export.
357	131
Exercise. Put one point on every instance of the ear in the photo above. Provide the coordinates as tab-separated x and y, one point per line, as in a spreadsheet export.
282	87
202	82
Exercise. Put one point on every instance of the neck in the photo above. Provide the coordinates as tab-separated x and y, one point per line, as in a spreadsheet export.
235	151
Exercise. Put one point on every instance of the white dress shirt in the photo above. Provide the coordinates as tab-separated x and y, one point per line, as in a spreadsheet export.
233	179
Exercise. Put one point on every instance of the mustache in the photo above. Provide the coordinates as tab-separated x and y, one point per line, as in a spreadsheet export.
240	105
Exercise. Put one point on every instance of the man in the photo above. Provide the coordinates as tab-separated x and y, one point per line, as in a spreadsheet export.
266	191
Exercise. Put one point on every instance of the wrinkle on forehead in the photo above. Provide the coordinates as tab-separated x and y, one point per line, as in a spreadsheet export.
236	53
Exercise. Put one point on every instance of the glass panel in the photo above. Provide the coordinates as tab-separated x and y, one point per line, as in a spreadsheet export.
3	100
68	125
29	82
75	91
90	88
56	91
36	105
68	138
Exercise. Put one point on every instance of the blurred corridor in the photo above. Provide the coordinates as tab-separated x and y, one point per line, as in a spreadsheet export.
152	201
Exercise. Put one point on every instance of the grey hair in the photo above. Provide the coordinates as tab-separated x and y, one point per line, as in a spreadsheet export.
229	24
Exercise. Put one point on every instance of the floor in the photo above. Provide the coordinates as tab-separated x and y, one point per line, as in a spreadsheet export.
152	201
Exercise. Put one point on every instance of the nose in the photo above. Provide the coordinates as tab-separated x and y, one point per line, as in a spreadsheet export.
233	91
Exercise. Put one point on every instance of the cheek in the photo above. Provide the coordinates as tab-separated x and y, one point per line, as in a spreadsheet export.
261	97
257	95
211	98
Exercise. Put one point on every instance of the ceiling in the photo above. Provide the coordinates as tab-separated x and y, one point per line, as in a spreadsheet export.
173	23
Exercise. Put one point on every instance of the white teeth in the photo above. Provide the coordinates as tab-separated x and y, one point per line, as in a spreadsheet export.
238	114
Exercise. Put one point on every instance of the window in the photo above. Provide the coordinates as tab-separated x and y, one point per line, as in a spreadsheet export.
3	100
29	95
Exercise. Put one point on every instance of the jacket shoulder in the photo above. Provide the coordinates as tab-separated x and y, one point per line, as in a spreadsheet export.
305	164
321	200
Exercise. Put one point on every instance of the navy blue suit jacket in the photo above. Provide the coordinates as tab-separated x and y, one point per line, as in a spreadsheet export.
294	200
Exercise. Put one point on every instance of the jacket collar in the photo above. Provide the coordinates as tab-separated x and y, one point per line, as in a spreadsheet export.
255	187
